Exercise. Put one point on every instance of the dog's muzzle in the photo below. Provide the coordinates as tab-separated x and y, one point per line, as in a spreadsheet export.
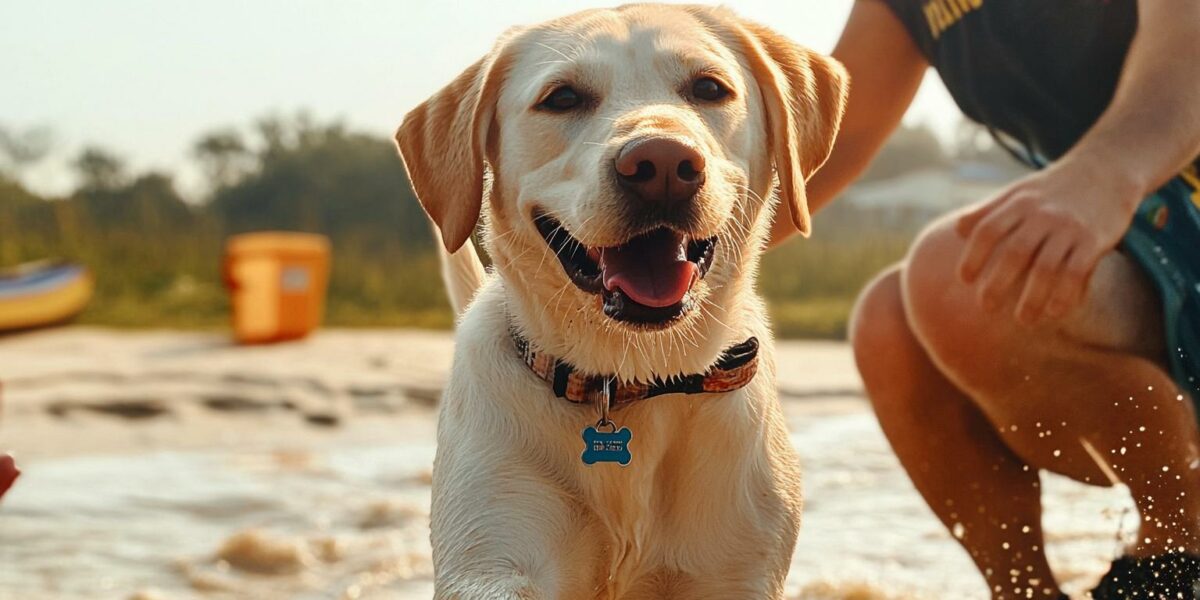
647	280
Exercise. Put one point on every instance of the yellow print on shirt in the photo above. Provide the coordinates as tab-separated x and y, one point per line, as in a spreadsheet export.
1192	176
942	14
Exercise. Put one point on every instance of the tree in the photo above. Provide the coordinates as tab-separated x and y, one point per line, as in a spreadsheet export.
23	149
322	178
99	169
224	157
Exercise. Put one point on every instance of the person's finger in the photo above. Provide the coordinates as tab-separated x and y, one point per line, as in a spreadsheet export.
967	221
1009	263
1073	279
1043	277
984	237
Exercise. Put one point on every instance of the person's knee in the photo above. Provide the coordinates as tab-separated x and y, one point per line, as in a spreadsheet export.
878	321
884	346
941	309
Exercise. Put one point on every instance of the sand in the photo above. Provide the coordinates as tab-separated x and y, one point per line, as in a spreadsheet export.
167	465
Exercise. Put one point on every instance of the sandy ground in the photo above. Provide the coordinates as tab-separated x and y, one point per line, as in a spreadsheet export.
164	465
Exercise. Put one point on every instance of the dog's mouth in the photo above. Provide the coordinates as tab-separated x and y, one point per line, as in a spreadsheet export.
647	280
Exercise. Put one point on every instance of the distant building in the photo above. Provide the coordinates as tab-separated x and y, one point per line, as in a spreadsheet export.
915	198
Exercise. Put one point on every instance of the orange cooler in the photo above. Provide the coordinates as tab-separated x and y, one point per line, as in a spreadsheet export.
277	284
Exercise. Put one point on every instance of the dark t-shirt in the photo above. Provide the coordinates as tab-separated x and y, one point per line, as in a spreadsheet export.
1040	71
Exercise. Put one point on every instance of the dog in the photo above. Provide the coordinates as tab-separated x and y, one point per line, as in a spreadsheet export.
611	427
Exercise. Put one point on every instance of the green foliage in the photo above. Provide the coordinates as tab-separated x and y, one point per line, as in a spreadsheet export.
326	180
18	149
99	169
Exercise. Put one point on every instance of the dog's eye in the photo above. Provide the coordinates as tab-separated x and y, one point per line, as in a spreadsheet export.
709	89
562	99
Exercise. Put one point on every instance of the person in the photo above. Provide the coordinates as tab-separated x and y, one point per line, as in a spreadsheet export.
1055	325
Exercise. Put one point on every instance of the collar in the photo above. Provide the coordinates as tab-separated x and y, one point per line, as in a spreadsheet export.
733	370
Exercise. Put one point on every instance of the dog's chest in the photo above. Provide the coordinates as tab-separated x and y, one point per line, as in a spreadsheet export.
689	495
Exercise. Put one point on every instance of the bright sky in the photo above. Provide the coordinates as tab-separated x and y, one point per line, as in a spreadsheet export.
145	77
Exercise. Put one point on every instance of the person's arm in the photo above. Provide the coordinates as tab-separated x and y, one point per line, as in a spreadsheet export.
885	69
1045	234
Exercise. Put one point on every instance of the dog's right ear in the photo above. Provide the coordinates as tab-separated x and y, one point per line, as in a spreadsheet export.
443	145
805	96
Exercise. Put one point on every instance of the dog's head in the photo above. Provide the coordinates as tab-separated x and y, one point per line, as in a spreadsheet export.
626	157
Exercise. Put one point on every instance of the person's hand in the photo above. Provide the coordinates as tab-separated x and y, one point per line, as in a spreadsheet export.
1043	236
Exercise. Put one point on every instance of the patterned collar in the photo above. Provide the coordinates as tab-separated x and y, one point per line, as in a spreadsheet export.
733	370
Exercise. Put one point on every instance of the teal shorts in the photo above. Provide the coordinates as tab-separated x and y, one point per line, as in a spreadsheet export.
1165	240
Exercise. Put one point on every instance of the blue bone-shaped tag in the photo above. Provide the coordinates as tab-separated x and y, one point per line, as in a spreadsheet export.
603	446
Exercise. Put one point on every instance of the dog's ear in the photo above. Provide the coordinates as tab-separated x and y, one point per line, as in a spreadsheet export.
805	96
443	144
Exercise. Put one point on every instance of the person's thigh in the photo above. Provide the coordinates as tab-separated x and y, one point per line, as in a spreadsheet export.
1121	311
1048	389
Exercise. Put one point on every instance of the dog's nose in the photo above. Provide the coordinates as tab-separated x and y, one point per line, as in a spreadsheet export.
660	169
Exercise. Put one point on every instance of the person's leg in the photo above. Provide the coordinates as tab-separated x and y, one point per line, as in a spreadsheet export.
1064	396
986	496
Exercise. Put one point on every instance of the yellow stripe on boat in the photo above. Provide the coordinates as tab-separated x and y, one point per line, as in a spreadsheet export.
46	306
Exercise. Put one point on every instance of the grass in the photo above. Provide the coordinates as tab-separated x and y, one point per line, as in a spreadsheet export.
811	285
816	318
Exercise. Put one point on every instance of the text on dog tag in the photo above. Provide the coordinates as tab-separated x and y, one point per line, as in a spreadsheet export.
606	446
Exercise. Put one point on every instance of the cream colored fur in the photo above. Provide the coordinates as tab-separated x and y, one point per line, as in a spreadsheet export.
710	506
462	272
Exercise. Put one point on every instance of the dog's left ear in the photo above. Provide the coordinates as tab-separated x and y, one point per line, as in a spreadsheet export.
805	96
443	144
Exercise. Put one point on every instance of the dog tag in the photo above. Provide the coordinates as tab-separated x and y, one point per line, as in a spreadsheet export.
607	446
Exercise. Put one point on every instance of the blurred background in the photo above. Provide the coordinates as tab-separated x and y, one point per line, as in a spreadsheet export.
162	461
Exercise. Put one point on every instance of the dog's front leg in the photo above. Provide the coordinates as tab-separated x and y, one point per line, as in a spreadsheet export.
490	545
500	530
482	586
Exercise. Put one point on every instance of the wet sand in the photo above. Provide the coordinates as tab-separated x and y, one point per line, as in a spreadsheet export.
164	465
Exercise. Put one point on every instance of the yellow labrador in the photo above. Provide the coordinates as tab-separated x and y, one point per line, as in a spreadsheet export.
629	160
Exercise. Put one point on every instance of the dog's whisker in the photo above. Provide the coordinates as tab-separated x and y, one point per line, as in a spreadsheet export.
569	59
557	298
707	311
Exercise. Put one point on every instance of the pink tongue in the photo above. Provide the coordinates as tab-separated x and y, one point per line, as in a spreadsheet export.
653	270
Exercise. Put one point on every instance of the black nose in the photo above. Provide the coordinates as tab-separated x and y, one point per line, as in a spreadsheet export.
660	169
